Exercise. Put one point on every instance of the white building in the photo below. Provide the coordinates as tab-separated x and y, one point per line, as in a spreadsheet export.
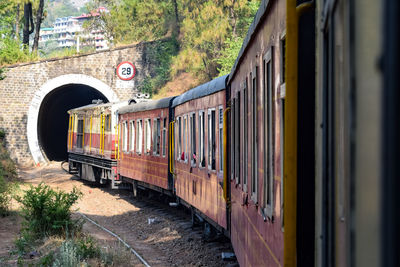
68	30
46	34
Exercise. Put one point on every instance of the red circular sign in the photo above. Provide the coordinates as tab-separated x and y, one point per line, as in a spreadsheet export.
126	71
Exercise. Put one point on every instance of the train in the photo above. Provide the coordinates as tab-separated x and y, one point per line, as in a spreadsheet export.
293	155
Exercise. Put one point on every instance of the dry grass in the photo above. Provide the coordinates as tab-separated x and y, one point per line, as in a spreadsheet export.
183	82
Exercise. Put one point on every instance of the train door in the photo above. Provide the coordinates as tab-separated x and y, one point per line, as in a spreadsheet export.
390	136
305	204
337	122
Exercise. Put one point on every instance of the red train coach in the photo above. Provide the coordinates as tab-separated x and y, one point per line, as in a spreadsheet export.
91	141
198	151
143	150
256	95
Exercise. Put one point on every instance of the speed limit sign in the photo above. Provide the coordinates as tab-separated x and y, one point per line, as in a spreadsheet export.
126	71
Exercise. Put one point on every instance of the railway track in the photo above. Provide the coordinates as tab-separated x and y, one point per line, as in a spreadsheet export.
160	234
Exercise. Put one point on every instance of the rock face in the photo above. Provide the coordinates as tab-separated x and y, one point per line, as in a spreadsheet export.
26	85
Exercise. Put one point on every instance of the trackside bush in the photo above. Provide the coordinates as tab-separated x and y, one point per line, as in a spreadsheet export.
48	212
4	195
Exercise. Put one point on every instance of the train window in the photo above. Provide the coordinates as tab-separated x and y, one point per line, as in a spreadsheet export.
254	143
147	136
183	156
237	138
268	133
282	116
283	59
282	147
221	138
185	139
193	139
245	134
164	136
87	124
107	123
202	162
79	134
156	136
179	138
131	135
232	141
211	139
124	136
282	66
139	136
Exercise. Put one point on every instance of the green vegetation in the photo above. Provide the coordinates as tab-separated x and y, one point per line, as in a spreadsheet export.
59	9
11	52
203	36
48	212
4	196
8	174
54	238
208	33
160	55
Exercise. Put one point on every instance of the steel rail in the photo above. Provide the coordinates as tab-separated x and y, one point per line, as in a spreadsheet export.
116	236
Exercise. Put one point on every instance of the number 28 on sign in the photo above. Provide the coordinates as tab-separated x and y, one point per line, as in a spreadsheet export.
126	71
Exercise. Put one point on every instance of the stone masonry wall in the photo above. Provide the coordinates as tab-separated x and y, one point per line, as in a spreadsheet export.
21	82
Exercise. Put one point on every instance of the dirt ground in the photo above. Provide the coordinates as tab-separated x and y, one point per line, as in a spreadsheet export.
162	235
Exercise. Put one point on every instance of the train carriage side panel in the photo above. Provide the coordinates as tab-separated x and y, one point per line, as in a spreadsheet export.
198	165
90	146
257	98
143	152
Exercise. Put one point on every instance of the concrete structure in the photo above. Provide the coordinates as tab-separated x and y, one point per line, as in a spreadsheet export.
65	31
35	97
46	34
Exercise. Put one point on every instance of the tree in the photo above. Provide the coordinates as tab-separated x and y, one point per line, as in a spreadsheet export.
39	19
59	9
28	24
134	20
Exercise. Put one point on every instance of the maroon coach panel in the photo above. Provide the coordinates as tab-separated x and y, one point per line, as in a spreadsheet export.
143	149
198	150
257	98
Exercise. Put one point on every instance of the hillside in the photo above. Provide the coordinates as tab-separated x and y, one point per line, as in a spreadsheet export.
62	8
203	36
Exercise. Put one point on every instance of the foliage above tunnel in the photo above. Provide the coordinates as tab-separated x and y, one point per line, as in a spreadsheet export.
204	36
208	33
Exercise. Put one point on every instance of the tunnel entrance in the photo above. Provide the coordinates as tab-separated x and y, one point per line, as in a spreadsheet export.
52	123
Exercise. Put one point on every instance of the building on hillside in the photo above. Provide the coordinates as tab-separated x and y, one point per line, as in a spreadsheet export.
69	32
95	37
46	34
65	30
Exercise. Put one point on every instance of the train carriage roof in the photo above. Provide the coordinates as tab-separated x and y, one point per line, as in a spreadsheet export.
205	89
262	10
143	106
90	106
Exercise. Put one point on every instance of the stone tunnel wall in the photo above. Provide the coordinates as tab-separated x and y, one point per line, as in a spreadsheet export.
23	80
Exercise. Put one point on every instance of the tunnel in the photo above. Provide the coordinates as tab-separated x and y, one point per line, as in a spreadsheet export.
53	117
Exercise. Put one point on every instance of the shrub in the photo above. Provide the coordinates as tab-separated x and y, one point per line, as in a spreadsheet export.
68	255
25	242
11	52
48	212
87	247
4	195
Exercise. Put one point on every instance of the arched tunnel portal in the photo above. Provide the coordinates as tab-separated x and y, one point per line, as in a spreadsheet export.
47	124
52	125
